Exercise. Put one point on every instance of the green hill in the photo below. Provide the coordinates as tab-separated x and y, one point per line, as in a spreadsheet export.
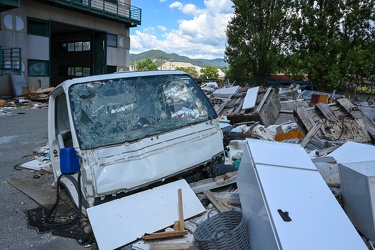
161	56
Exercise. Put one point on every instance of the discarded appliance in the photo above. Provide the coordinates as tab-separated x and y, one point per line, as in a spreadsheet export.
130	130
354	152
358	192
287	203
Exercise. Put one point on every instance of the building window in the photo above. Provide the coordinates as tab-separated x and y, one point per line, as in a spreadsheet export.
112	40
37	27
111	1
76	46
38	68
75	71
86	46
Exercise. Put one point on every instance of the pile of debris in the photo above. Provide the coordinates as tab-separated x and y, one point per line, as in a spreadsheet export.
290	164
325	119
285	190
37	99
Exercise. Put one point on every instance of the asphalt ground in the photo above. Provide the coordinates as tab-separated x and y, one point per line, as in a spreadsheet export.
20	134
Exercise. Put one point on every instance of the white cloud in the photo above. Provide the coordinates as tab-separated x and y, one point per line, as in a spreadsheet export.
219	6
162	28
177	5
202	36
189	9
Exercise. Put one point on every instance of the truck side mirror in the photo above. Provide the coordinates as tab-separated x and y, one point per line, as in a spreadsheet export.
69	163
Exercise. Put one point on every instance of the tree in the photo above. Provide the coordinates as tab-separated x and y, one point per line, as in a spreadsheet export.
189	70
256	36
328	40
146	64
210	72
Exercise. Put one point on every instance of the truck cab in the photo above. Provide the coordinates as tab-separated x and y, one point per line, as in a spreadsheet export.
131	131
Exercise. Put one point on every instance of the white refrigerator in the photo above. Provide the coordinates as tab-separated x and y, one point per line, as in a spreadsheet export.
287	204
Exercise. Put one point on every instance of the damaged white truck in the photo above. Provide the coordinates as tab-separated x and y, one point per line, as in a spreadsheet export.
116	134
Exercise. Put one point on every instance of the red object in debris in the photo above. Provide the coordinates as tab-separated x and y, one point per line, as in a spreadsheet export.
314	98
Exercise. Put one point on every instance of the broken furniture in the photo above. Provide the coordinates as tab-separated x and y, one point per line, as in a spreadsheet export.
342	122
260	105
286	202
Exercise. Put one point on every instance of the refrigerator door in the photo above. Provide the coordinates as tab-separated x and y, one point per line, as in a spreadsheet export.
287	203
280	154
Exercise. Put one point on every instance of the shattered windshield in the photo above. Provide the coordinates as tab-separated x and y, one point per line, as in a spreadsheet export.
127	109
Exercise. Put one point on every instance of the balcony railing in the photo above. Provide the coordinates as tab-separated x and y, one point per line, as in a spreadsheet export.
111	9
9	4
10	61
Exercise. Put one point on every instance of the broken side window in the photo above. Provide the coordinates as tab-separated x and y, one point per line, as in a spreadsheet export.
62	126
127	109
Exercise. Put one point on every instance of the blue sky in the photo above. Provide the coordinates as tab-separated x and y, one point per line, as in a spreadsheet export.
190	28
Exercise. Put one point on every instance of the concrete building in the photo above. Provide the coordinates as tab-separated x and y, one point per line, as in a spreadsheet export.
44	42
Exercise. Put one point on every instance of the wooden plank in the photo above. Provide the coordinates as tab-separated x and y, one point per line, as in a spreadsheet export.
223	105
286	111
268	108
326	111
304	118
311	133
239	106
326	150
346	104
164	235
42	91
357	114
238	100
231	198
215	201
170	246
263	101
208	184
180	210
